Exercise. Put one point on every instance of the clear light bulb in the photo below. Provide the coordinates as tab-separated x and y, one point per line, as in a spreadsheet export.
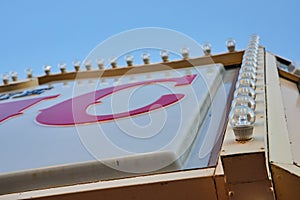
88	65
230	44
242	116
253	46
47	69
254	37
100	63
250	58
185	52
113	62
253	41
164	55
248	68
129	59
245	91
250	54
253	51
246	82
29	72
250	63
247	74
76	64
244	100
146	57
62	66
206	47
5	78
14	75
242	120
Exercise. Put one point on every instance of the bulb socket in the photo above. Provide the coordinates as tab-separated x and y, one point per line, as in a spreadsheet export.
243	133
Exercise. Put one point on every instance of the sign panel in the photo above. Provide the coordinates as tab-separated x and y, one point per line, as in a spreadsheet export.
133	124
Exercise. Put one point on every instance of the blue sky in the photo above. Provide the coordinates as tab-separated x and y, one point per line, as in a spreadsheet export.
34	32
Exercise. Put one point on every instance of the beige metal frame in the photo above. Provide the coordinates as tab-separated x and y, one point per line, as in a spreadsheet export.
226	59
258	168
286	175
206	183
193	184
246	163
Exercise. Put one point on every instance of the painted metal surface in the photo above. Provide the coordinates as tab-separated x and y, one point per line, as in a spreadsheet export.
191	184
246	163
277	127
291	100
125	149
282	109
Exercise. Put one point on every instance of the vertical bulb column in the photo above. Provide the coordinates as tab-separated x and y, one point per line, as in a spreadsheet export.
242	115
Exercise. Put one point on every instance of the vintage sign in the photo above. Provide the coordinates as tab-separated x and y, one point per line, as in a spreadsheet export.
155	116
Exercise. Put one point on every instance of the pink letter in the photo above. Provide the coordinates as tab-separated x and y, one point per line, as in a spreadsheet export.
73	111
11	109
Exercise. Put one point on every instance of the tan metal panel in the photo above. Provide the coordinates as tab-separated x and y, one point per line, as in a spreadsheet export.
187	189
286	179
245	163
258	143
19	85
291	100
220	181
279	148
193	184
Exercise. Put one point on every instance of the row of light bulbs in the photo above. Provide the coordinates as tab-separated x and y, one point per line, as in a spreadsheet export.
185	52
242	116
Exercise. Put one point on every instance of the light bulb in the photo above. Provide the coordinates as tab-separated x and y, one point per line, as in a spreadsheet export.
185	52
248	68
100	63
5	78
249	58
113	62
76	64
254	37
14	76
253	41
206	47
250	54
62	66
244	100
254	51
47	69
146	57
253	46
230	44
29	72
242	119
88	65
164	55
245	91
246	82
242	116
250	63
129	59
247	74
